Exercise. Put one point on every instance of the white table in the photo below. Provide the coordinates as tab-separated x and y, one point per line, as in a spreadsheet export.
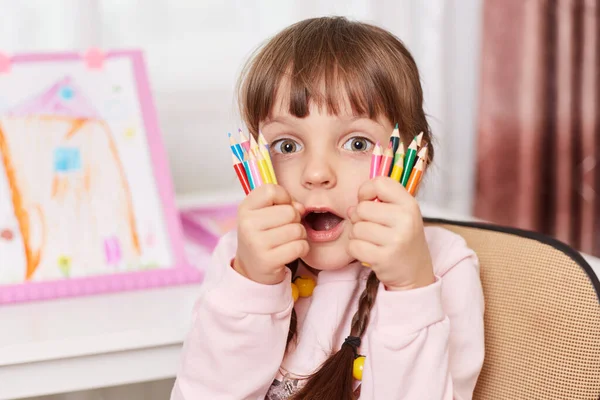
100	341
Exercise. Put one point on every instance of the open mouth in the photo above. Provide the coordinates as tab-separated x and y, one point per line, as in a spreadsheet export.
322	225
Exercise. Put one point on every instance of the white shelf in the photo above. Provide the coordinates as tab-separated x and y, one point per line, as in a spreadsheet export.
105	340
89	342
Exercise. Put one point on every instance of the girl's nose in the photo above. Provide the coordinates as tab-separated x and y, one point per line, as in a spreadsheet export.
319	173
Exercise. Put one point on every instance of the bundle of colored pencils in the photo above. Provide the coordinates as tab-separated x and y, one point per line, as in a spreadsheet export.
253	166
406	168
252	161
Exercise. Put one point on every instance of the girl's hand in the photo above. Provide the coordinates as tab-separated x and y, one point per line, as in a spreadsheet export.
388	235
270	234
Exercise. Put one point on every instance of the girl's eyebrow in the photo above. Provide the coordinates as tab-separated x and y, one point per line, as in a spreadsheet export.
285	119
277	120
365	118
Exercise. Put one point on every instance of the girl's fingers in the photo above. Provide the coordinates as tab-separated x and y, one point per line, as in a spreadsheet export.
363	251
299	207
265	196
281	235
273	217
385	189
378	212
291	251
371	232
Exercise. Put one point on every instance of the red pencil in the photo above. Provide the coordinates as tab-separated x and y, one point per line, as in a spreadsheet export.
241	174
386	160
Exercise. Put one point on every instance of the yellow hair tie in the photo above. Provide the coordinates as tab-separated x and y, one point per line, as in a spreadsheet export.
303	286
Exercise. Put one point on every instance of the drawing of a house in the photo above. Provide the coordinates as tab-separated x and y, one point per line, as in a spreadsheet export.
70	199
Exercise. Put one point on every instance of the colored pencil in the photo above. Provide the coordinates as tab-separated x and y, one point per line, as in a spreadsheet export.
244	142
375	161
253	144
236	148
398	168
409	161
263	167
399	153
246	163
395	138
423	153
386	161
254	170
241	173
415	177
419	139
262	141
264	149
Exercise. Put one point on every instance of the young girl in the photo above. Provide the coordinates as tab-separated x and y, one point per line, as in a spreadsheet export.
410	312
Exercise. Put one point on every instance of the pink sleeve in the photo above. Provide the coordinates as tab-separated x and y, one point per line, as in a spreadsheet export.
238	335
428	343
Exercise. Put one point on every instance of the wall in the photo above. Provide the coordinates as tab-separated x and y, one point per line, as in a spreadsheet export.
195	50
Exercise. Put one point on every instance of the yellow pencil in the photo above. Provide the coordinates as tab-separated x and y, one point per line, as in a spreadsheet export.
263	167
264	150
398	168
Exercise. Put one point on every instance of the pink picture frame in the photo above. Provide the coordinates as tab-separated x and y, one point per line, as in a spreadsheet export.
179	271
206	225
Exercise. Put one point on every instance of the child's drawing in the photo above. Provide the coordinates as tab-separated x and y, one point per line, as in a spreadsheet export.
68	186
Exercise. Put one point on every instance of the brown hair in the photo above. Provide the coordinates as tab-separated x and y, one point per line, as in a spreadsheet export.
326	61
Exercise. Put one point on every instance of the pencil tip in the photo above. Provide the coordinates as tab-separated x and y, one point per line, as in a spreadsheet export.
396	127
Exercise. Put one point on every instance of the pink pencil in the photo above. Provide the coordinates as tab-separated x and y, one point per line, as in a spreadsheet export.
375	161
244	141
255	170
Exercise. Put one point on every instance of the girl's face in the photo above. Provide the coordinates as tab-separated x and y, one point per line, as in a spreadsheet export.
322	160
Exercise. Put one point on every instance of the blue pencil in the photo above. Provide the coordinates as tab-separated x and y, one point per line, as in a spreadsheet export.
236	148
248	172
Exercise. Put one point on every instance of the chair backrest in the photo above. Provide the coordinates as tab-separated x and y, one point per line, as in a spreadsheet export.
542	315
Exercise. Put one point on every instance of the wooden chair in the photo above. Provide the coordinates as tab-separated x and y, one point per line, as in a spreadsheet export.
542	315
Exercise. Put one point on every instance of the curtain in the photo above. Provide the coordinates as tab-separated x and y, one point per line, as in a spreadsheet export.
538	131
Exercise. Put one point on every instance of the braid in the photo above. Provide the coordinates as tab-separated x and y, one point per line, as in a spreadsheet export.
360	321
293	266
293	328
334	379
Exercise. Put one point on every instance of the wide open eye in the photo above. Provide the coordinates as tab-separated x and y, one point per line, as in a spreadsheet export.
358	143
286	146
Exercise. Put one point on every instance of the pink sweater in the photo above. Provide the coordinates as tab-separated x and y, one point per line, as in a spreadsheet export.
425	343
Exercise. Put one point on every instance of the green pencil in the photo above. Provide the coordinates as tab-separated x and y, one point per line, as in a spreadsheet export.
409	161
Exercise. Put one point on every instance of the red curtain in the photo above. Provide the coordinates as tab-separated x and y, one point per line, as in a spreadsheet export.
538	129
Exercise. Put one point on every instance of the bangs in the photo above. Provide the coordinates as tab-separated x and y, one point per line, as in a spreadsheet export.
335	65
